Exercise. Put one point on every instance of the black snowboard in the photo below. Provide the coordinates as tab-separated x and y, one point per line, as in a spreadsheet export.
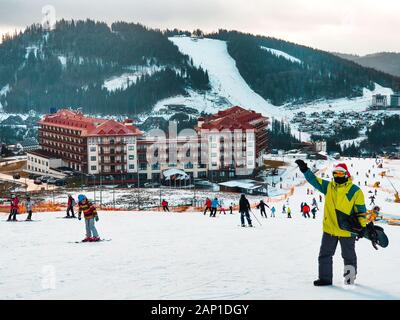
377	235
372	232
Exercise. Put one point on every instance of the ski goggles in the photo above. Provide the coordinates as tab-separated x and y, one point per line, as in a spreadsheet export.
338	173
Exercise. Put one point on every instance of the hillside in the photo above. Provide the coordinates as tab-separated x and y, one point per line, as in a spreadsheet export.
129	69
284	72
388	62
73	64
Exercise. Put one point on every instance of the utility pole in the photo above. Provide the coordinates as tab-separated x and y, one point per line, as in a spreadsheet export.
101	193
138	192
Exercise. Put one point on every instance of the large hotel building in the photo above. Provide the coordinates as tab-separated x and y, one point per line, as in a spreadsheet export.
121	153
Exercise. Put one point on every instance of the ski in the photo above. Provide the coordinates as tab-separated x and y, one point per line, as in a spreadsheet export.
67	218
101	240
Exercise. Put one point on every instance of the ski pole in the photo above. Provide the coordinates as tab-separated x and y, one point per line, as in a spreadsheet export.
255	217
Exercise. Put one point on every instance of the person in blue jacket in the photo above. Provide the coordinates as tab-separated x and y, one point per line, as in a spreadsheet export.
214	205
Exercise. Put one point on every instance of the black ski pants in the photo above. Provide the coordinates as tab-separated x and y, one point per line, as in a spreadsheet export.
13	214
70	209
327	251
244	214
262	211
213	212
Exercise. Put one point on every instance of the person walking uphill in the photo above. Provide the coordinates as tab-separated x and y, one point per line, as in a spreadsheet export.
90	215
244	208
344	209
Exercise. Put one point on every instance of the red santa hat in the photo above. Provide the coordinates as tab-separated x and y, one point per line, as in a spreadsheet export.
342	167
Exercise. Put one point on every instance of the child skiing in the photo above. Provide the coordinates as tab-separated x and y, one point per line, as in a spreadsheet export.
231	208
70	207
289	213
14	208
244	208
262	206
90	215
273	212
283	209
342	200
29	207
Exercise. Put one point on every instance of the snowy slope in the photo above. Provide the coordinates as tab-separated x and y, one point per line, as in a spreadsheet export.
225	78
279	53
191	256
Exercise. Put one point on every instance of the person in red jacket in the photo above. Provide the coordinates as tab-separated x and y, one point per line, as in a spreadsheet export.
164	204
70	207
14	208
306	211
208	205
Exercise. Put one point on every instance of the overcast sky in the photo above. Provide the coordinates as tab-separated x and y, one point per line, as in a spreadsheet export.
349	26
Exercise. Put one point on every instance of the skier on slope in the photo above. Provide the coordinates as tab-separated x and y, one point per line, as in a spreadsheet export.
306	211
289	213
29	208
164	204
273	212
314	203
14	208
207	205
90	215
314	211
343	200
244	208
262	206
214	205
70	207
372	200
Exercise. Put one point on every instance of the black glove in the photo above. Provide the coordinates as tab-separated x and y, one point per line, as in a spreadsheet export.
302	165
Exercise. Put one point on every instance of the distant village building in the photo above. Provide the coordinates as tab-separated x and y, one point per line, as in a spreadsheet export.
395	100
30	144
220	132
379	101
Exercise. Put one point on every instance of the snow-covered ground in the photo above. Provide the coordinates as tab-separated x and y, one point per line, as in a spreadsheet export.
156	255
282	54
226	81
128	78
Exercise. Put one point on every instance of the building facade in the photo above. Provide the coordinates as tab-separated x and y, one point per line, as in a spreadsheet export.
222	146
235	141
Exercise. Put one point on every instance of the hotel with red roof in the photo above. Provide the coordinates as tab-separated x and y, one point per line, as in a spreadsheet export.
225	145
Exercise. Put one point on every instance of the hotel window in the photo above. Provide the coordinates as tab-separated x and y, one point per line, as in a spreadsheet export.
131	148
92	149
131	166
131	157
93	158
93	168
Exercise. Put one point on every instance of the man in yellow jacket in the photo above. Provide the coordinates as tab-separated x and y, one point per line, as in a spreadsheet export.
344	219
